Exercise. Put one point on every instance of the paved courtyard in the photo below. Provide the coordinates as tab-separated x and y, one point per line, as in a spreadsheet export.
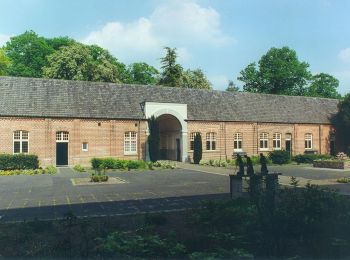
52	196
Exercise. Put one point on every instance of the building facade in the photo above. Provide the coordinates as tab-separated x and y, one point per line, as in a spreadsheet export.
70	122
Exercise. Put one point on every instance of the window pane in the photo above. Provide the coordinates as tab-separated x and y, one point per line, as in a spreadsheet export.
24	146
208	145
24	135
16	147
213	145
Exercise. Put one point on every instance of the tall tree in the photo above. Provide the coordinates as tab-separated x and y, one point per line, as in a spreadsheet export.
153	139
142	73
342	124
279	72
28	54
232	87
172	72
197	148
195	79
323	85
81	62
4	62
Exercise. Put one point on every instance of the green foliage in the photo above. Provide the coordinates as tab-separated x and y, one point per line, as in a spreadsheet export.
79	168
4	62
142	73
323	85
18	161
162	165
98	177
279	72
112	163
156	219
279	157
51	169
129	245
343	180
81	62
96	163
342	124
232	87
172	72
197	148
195	79
58	42
309	158
153	139
28	54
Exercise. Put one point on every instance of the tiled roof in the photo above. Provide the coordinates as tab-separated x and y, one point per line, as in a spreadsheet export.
77	99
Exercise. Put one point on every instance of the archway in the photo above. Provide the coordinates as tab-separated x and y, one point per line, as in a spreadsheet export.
170	138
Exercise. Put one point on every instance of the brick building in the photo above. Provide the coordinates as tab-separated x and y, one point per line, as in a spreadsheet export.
69	122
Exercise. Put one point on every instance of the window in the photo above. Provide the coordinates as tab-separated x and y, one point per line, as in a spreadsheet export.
192	140
308	141
62	136
85	147
264	141
130	144
276	141
211	141
20	142
237	141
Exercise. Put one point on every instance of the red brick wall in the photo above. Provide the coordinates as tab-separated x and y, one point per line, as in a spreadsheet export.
107	139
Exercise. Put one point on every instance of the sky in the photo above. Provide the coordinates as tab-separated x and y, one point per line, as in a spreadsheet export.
221	37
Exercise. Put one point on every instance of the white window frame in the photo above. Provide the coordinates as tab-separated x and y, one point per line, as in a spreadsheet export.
130	137
308	141
238	142
20	140
192	135
62	137
87	147
264	139
277	141
210	141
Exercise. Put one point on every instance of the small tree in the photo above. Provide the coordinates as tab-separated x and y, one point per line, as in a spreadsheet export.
197	148
153	139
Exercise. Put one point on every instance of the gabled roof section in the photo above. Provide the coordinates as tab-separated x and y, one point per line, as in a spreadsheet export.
29	97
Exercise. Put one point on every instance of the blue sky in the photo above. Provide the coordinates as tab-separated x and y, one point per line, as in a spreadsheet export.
221	37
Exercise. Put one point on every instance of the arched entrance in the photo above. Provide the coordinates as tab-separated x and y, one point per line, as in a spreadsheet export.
170	138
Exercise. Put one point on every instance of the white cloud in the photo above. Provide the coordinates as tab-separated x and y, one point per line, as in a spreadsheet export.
344	55
4	38
172	23
344	81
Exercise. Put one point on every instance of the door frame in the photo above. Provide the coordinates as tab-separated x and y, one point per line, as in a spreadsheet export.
61	139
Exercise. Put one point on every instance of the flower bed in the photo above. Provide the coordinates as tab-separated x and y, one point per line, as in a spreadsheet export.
332	164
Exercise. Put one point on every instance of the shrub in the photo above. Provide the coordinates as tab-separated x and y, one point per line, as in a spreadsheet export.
197	148
343	180
136	164
279	157
309	158
79	168
98	177
18	161
96	163
51	169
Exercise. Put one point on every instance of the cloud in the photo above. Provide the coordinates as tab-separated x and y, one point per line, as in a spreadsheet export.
173	23
344	81
344	55
3	39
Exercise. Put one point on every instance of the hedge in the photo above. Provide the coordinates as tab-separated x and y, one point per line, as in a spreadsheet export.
279	157
111	163
18	161
309	158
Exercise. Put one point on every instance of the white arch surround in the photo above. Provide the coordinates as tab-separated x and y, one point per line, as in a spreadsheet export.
179	111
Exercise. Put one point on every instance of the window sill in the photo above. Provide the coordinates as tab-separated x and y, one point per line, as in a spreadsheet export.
130	153
264	149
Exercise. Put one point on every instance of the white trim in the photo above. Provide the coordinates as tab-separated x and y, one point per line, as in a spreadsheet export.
20	140
130	139
87	147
